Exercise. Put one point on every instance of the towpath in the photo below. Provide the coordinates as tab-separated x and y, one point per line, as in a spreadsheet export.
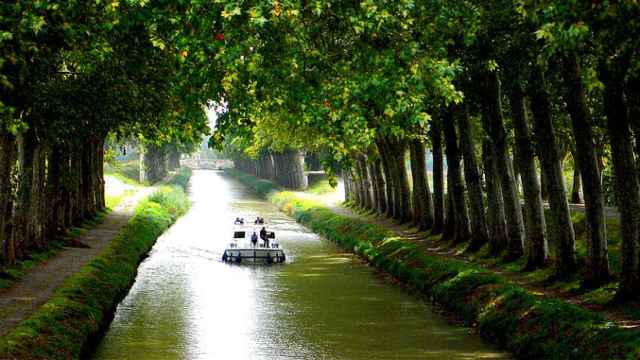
32	290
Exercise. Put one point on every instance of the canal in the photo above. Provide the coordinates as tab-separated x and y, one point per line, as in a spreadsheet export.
322	304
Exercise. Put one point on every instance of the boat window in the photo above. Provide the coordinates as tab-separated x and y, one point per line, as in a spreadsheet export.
238	235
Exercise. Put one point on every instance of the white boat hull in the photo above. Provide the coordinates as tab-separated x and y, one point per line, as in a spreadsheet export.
254	255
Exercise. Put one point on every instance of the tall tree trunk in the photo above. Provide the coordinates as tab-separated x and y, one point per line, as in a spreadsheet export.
174	158
474	183
378	178
538	249
375	201
357	191
495	211
585	160
55	191
455	184
88	179
78	199
294	161
101	202
269	170
366	183
627	187
449	228
7	163
348	191
544	189
576	197
402	192
22	231
422	206
494	125
561	225
438	176
386	169
39	202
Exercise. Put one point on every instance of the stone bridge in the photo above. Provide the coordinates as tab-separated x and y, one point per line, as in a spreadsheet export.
206	164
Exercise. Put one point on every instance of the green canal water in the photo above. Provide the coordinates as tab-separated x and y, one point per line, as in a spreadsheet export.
322	304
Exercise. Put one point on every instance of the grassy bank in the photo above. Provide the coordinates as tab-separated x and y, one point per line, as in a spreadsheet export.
83	305
522	322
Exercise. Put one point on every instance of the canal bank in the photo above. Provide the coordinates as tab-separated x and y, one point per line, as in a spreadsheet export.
82	306
528	325
324	303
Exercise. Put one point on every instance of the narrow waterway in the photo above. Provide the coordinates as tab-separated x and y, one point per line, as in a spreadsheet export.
322	304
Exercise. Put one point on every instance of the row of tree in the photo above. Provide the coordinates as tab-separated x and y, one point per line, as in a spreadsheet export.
480	83
71	75
362	82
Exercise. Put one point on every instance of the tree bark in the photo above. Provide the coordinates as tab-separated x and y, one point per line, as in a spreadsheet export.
494	125
378	178
39	202
100	176
627	187
544	190
455	184
174	158
88	195
438	176
576	197
399	172
366	183
7	163
474	184
536	240
55	191
495	212
585	160
422	205
386	169
22	231
561	225
375	201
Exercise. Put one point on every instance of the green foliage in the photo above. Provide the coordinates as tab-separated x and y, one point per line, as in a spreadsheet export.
525	323
79	309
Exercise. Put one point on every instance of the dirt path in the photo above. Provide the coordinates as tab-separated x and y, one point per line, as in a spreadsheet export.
39	283
442	251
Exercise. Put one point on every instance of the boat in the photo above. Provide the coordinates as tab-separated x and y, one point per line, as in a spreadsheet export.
242	250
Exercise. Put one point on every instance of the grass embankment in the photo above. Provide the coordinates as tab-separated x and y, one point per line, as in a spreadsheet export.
126	171
84	304
520	321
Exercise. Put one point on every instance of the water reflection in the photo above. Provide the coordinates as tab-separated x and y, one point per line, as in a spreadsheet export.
322	304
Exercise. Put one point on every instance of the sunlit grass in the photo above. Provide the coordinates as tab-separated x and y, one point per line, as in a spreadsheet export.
321	187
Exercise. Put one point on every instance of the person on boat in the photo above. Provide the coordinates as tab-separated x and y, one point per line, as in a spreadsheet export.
239	221
264	236
254	239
